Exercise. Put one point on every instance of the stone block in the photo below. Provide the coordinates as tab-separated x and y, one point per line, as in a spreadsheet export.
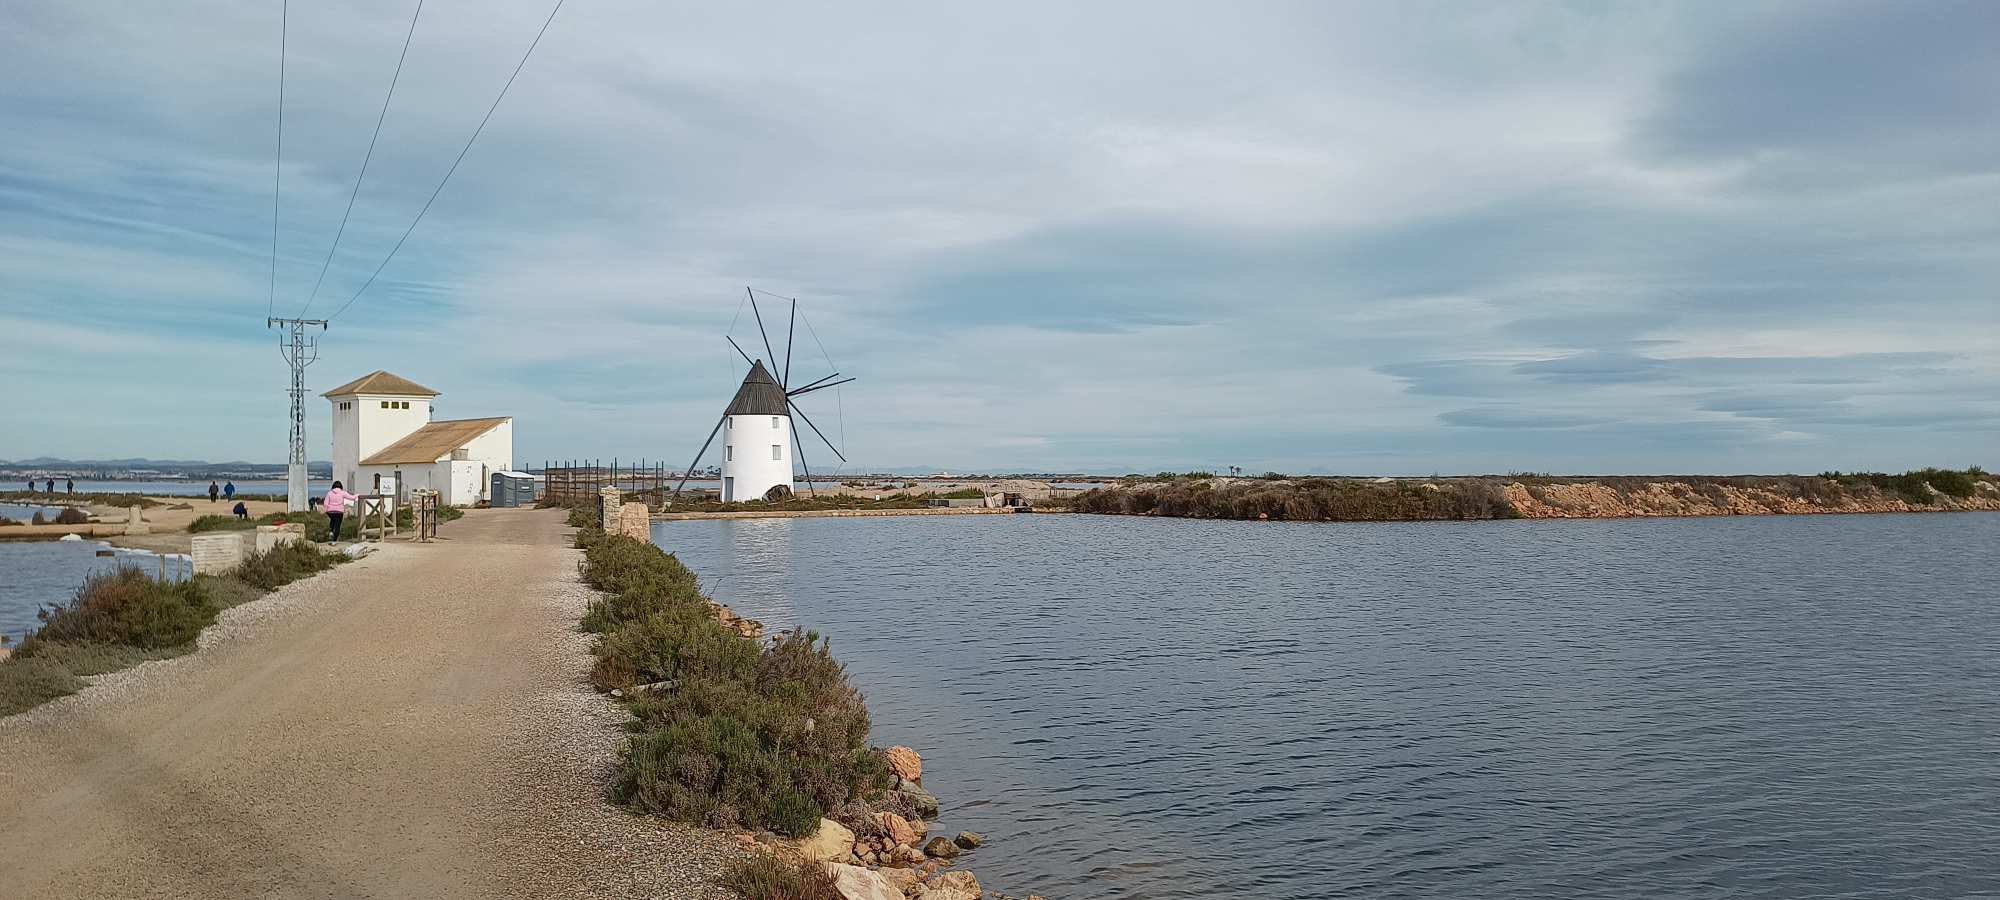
609	503
269	536
217	552
136	525
635	521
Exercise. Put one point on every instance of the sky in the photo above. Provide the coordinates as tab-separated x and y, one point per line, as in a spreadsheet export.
1363	238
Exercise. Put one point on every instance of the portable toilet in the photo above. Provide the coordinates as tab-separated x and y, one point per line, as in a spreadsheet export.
512	489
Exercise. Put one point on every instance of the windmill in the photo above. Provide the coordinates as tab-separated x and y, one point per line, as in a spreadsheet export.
760	444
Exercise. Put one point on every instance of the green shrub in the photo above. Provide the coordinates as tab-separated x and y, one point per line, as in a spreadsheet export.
746	735
766	877
125	607
27	682
284	564
584	517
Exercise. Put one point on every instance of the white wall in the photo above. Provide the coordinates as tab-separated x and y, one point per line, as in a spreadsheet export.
367	427
747	467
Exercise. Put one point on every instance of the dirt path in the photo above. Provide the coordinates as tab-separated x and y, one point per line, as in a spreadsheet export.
414	724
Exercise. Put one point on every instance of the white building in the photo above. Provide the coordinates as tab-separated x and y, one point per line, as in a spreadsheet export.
384	442
756	439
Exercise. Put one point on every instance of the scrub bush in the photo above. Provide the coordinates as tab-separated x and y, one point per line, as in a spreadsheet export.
284	564
746	735
125	607
766	877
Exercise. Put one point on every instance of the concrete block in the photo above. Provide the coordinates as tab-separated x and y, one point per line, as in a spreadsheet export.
136	525
635	521
269	536
217	552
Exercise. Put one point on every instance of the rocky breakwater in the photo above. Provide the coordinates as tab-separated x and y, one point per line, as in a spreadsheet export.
1617	498
889	853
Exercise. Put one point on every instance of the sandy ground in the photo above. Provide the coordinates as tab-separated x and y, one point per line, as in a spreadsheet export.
168	525
415	724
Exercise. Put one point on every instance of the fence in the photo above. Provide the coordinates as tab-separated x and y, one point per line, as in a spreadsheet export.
578	482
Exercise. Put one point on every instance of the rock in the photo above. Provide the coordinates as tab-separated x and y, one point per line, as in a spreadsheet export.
969	839
907	855
857	883
925	805
904	763
958	885
941	848
831	842
905	880
897	828
904	784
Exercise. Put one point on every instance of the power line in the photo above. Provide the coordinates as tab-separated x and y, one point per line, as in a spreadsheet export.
277	178
365	158
454	163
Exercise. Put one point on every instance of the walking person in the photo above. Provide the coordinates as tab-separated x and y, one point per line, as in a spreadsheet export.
229	490
69	485
51	487
214	491
337	499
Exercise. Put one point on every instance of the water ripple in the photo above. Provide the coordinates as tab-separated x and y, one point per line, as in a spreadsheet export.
1777	707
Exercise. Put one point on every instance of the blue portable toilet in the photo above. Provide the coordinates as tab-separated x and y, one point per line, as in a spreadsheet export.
512	489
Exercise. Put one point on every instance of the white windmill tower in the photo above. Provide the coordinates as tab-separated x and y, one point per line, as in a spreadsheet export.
759	445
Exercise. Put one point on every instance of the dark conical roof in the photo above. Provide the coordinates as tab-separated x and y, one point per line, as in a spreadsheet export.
760	395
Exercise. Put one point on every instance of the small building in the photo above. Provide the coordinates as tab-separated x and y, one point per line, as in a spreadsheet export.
385	441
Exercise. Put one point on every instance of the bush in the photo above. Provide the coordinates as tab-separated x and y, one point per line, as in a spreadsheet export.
27	682
1304	500
125	607
284	564
72	516
747	735
765	877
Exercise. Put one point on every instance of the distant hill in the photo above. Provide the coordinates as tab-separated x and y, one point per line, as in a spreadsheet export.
162	465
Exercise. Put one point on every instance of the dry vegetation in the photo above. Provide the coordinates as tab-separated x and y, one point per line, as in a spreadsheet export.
123	618
728	731
1275	497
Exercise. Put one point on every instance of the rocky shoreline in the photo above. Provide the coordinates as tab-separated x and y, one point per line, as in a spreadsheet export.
873	843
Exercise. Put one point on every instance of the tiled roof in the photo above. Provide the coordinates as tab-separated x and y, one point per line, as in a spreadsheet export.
433	442
384	383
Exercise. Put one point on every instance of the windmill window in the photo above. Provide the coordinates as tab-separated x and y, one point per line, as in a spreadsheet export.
774	421
729	452
777	451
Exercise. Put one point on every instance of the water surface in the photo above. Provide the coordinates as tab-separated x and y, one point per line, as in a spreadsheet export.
1780	707
36	573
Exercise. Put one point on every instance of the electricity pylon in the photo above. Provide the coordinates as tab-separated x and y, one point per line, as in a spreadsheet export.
299	351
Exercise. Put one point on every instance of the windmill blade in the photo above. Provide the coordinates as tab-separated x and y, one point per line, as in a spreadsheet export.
689	471
807	390
790	331
760	326
816	382
809	424
739	350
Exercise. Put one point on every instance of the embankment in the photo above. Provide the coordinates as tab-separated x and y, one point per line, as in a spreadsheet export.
765	738
1545	497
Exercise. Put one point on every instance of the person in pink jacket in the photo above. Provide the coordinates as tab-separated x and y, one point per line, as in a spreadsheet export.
337	499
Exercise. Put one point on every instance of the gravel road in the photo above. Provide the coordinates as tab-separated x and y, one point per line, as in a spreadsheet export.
415	724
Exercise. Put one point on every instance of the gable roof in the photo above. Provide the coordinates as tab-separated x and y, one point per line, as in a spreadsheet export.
434	441
381	382
759	395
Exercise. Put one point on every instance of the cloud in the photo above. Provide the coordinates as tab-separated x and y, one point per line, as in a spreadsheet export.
1123	236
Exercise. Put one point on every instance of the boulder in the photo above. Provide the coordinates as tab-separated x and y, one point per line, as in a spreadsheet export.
958	885
925	805
830	843
904	763
905	880
941	848
969	839
857	883
899	829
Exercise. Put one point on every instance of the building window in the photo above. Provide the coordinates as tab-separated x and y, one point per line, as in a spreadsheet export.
774	421
777	451
729	452
385	404
346	404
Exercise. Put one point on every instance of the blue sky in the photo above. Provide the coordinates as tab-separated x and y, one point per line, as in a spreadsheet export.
1368	238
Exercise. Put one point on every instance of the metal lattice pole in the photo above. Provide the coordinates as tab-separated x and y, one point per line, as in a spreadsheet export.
299	351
